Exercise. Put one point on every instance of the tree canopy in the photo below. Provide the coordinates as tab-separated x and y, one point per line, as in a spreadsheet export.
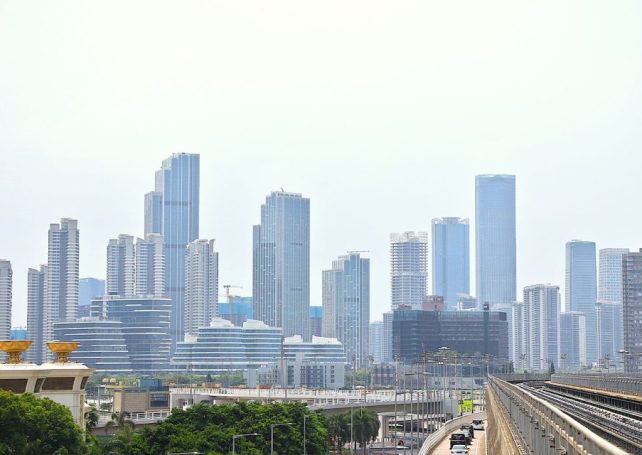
37	426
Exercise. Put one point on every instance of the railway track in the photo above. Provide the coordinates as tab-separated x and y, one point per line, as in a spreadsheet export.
622	427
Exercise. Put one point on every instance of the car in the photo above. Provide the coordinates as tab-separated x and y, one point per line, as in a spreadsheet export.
459	438
468	427
478	424
459	449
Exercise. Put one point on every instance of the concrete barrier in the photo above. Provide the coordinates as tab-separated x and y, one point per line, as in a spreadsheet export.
435	438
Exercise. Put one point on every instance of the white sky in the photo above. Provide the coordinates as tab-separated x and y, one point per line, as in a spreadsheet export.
381	112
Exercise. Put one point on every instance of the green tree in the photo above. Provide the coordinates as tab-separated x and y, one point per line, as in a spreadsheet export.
91	419
123	443
36	426
365	426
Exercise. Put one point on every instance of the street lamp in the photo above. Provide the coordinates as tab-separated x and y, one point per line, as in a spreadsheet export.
236	436
272	434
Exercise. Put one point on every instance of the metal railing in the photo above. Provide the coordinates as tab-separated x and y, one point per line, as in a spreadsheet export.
631	385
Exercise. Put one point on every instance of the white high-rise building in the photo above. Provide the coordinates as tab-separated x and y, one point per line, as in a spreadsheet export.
542	326
6	282
136	269
150	266
201	285
515	317
408	268
36	314
61	281
121	274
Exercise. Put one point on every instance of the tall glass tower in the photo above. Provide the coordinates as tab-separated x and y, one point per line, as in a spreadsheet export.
281	264
346	306
450	259
609	295
6	283
495	238
581	290
177	185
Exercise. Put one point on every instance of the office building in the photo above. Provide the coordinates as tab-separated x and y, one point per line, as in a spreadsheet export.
201	285
416	332
495	238
145	326
581	290
236	309
153	212
516	332
632	309
316	320
346	305
408	268
177	186
88	289
433	303
222	347
281	264
610	296
36	314
150	266
121	272
466	302
387	337
609	325
376	341
542	308
573	336
450	259
6	283
101	345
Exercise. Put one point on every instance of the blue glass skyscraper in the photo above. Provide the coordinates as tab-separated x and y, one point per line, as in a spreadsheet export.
495	238
281	264
450	259
177	185
581	289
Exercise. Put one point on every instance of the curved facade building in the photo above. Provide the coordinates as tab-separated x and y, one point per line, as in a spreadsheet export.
102	343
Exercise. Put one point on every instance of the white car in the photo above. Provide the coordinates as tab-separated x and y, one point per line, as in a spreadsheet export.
478	424
459	450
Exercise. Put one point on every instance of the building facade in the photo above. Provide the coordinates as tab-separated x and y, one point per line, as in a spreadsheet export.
375	345
408	268
281	264
101	345
177	184
542	308
416	332
6	284
36	281
201	285
516	333
495	238
150	266
581	290
573	337
121	271
346	305
609	294
316	321
145	326
632	297
450	259
237	309
386	352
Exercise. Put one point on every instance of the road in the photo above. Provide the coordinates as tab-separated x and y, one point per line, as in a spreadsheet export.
478	447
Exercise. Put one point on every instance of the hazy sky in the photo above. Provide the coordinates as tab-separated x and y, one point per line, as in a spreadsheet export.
381	112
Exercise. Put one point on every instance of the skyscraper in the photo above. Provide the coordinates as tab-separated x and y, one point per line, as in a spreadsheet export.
516	332
386	353
201	285
36	314
581	289
88	289
610	297
632	294
495	238
177	186
153	213
281	264
150	266
450	259
408	268
121	272
6	282
573	336
542	326
376	341
346	305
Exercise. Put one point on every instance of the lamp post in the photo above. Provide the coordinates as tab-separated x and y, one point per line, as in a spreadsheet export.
274	425
236	436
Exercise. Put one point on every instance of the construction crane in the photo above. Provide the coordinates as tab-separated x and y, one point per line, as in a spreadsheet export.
229	298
